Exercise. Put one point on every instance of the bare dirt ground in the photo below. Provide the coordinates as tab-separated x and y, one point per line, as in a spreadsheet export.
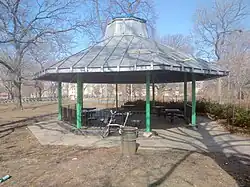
9	113
31	164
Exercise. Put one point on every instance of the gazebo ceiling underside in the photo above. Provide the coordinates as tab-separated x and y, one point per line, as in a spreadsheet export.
127	59
125	77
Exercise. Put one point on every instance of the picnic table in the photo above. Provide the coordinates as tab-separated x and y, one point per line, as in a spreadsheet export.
88	111
123	114
88	114
128	106
158	109
89	108
172	112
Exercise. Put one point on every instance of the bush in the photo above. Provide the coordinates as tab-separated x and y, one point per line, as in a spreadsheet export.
201	106
228	113
241	118
235	116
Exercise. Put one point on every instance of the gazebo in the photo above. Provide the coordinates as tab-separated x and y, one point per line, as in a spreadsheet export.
126	55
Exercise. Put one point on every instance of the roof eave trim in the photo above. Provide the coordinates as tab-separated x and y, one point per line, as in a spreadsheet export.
132	68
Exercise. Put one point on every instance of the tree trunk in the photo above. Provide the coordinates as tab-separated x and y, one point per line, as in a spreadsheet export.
219	91
18	95
10	96
40	93
228	89
160	93
240	97
20	103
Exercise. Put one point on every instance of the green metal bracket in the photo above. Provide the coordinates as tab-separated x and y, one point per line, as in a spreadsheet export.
193	101
148	120
79	103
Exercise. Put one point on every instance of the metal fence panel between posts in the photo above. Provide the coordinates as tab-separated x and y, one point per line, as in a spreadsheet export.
189	113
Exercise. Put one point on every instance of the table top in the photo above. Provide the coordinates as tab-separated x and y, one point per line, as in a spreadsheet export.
90	108
88	111
159	106
128	105
172	110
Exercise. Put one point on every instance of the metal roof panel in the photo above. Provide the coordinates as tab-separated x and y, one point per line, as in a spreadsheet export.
132	53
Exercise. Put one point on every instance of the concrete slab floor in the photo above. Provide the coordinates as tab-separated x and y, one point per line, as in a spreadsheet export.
210	137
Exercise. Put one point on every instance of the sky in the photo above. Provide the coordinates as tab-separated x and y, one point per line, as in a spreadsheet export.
176	16
173	16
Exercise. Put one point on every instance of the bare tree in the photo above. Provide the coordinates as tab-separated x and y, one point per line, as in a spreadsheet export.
214	24
25	25
179	42
237	58
105	10
8	87
42	56
6	83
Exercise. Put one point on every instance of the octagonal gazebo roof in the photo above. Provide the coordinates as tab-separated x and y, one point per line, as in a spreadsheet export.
125	55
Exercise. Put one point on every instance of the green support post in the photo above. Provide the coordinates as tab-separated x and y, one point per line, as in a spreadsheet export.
148	120
79	103
185	96
193	102
59	94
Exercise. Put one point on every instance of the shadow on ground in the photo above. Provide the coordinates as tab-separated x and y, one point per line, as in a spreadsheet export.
234	162
9	127
229	152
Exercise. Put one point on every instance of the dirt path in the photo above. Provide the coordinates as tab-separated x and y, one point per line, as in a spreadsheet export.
9	114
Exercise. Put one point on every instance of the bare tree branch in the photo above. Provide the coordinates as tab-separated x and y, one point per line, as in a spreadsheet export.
26	25
213	25
216	29
178	42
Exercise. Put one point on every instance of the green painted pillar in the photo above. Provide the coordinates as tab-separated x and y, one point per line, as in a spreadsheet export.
59	94
148	120
193	101
185	96
153	93
79	103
